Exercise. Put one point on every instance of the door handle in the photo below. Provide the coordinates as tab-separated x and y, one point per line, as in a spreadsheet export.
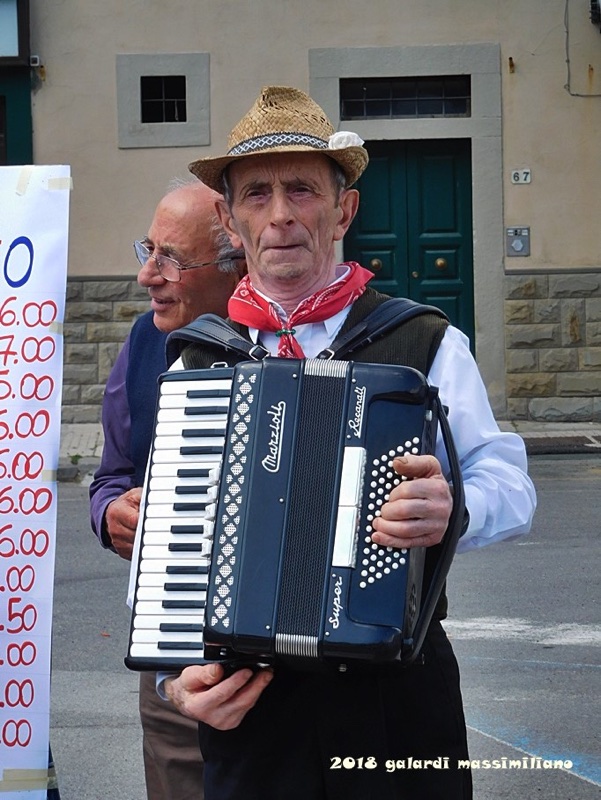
415	274
440	263
375	264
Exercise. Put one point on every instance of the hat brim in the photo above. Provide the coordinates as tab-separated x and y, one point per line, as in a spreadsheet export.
353	161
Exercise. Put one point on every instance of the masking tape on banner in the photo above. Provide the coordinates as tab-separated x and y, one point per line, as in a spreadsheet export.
56	327
49	475
24	178
60	183
23	780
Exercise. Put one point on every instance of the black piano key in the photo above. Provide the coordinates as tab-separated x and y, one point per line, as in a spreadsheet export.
196	393
189	506
205	410
205	433
187	529
184	627
190	489
184	547
184	587
193	569
201	450
183	604
193	473
179	646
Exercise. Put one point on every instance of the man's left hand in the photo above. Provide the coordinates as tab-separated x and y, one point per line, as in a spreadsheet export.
418	510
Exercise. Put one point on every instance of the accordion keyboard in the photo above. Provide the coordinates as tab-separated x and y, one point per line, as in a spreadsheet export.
168	612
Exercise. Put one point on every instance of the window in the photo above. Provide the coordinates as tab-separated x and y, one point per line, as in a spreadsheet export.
163	98
397	98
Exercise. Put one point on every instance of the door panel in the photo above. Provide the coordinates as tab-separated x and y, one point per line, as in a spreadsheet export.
414	225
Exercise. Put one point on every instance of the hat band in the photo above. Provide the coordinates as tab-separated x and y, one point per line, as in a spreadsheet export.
272	140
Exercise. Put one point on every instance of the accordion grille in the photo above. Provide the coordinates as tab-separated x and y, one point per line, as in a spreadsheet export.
312	499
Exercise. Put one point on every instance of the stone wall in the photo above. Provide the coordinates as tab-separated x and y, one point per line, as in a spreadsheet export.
552	329
98	316
553	347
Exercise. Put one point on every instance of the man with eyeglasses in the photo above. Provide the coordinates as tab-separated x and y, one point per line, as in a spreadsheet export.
189	268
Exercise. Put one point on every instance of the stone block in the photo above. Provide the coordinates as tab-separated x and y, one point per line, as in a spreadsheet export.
109	332
534	384
75	332
589	358
71	394
129	310
575	285
533	336
546	311
80	414
518	287
103	291
573	323
80	373
519	311
561	409
137	292
92	395
558	359
74	290
522	361
107	355
517	408
584	384
593	333
80	353
88	312
593	309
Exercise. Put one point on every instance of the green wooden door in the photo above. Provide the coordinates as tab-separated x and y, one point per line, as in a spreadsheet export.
16	145
414	225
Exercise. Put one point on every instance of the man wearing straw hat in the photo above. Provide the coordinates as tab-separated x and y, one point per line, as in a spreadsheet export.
280	733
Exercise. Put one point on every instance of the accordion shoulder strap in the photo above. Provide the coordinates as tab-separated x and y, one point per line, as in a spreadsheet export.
388	315
213	330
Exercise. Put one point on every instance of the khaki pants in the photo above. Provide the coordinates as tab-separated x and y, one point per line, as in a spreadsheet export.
173	762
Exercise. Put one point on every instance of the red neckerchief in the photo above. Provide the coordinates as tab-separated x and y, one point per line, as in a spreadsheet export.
251	309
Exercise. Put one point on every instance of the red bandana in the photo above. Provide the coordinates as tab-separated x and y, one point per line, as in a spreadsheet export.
249	308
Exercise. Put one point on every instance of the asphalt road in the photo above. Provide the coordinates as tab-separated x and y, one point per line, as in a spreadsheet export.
524	622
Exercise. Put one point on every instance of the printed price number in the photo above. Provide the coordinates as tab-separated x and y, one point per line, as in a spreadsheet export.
18	693
20	620
22	466
28	543
31	387
21	253
29	501
32	349
16	733
26	424
32	314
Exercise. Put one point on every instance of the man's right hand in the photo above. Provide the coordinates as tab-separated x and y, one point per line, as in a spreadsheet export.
121	520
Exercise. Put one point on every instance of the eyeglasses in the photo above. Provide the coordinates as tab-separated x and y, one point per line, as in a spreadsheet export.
169	268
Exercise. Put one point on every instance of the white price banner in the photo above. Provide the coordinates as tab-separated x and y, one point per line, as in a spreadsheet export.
34	213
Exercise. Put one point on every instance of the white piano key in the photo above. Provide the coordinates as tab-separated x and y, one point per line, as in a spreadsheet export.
183	460
175	442
148	622
156	579
165	537
148	608
208	427
181	388
161	483
161	510
170	496
166	523
160	564
161	552
158	595
144	651
188	414
143	636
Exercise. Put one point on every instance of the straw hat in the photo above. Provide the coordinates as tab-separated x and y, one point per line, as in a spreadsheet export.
285	120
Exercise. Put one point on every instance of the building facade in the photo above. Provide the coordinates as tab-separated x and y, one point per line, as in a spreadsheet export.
482	120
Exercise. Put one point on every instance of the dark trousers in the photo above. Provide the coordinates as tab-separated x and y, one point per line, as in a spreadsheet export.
348	736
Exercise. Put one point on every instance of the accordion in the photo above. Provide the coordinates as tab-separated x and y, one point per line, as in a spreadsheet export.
263	484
